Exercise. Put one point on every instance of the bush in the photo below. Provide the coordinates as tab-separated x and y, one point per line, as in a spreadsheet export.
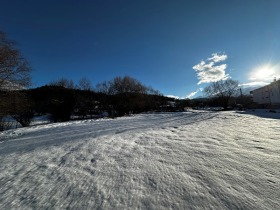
24	118
5	125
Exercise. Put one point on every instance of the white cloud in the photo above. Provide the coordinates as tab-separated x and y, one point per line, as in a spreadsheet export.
189	96
172	96
192	94
255	84
209	71
218	58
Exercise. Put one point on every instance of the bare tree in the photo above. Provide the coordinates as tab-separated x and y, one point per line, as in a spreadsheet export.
85	84
14	69
63	82
223	90
18	105
128	85
22	110
121	85
105	87
14	75
152	91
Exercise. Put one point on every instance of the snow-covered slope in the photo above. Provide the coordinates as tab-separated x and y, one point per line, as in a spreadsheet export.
194	160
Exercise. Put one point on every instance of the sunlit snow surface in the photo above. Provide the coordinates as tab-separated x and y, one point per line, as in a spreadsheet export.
193	160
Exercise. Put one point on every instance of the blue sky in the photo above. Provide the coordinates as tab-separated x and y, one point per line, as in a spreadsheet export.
177	47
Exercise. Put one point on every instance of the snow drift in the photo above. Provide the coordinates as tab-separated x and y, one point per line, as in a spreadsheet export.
194	160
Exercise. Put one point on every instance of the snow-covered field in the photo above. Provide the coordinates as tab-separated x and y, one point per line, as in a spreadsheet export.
191	160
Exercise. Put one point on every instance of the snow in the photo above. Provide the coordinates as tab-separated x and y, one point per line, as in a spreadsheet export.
191	160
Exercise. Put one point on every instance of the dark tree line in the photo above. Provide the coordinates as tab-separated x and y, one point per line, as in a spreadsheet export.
62	99
117	97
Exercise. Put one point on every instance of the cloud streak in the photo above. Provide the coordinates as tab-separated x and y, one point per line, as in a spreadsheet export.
209	71
218	58
254	84
189	96
172	96
192	94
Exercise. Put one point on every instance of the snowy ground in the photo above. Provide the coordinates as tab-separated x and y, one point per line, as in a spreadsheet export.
192	160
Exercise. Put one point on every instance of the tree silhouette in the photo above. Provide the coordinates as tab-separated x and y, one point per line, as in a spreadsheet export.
222	90
14	69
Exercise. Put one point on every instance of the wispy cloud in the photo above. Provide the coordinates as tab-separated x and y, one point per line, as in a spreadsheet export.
189	96
218	58
172	96
209	71
192	94
254	84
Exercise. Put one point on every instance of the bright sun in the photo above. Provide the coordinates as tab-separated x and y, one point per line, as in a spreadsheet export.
263	72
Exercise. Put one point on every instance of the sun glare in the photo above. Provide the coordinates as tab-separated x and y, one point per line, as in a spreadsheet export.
263	72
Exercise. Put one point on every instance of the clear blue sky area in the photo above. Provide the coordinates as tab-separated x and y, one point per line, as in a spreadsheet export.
169	45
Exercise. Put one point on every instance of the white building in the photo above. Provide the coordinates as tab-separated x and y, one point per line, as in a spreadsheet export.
268	95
